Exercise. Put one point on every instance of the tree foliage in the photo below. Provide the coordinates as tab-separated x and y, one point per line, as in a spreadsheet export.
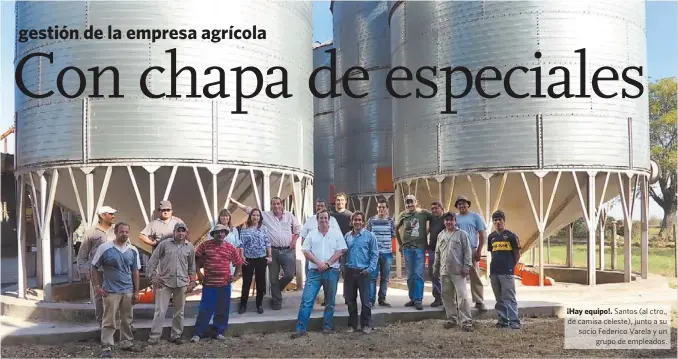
663	144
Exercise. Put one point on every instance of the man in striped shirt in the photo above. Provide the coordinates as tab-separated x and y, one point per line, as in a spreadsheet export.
383	228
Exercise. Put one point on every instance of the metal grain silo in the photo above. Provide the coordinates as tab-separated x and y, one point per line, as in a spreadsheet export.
363	126
323	127
544	161
132	152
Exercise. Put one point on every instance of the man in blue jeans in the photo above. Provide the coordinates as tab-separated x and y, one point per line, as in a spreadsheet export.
383	228
415	223
505	248
322	248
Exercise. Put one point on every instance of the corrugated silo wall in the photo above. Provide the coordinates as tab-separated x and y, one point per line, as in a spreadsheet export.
363	142
323	129
501	133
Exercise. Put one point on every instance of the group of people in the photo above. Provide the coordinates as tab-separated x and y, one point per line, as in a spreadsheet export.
339	244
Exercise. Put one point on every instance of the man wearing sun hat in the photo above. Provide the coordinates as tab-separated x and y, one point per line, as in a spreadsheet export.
472	223
93	237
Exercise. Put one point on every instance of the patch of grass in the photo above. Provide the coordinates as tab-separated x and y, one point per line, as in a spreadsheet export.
661	260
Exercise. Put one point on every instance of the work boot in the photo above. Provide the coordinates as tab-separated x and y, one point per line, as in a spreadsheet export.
297	335
383	303
450	324
410	304
418	306
481	307
437	302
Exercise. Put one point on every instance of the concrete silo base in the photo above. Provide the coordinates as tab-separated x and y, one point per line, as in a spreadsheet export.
73	322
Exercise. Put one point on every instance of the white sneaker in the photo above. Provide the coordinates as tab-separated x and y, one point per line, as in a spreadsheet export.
195	339
221	337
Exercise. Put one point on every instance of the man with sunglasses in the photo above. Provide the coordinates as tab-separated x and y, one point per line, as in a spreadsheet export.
172	271
160	228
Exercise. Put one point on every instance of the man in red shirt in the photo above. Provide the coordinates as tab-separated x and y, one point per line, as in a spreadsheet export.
215	257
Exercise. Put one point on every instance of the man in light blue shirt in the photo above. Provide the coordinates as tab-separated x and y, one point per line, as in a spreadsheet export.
115	275
361	261
322	248
472	223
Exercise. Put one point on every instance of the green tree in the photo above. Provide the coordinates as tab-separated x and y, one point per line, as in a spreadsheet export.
663	115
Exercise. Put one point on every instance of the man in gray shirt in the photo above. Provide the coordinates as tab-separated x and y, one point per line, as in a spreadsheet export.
172	270
93	238
160	228
283	231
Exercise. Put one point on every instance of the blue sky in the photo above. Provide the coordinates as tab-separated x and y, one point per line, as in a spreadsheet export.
662	48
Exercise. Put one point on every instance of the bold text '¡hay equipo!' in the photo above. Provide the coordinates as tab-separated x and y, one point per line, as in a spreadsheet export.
356	73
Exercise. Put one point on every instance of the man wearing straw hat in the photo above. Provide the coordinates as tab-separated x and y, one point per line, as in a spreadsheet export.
215	257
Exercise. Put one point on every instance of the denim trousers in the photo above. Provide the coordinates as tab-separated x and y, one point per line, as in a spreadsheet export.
435	282
383	273
314	280
414	260
504	288
215	302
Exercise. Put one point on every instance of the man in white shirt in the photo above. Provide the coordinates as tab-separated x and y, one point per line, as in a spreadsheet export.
322	248
311	224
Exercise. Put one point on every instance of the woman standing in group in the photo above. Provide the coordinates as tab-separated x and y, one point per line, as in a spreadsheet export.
256	249
233	236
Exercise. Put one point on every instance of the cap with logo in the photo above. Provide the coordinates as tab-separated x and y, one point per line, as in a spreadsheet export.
180	225
410	197
165	205
462	198
105	210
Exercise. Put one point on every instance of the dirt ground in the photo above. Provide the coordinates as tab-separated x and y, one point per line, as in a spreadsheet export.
538	338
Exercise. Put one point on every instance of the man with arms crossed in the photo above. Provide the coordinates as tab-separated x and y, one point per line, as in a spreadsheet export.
452	265
175	277
322	248
472	223
504	246
383	228
415	222
361	261
283	230
115	273
93	238
437	226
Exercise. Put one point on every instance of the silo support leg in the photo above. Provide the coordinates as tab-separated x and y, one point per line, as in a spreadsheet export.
21	237
644	229
626	194
46	205
541	217
570	245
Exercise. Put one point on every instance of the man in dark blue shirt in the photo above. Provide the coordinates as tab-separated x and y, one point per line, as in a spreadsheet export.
505	248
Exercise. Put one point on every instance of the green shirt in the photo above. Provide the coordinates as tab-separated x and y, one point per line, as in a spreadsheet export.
414	225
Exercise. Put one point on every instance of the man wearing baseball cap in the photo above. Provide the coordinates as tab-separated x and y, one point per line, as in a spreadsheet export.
160	228
174	278
93	237
416	223
472	223
452	265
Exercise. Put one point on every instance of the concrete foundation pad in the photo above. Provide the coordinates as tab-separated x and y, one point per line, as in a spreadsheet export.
18	332
59	322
